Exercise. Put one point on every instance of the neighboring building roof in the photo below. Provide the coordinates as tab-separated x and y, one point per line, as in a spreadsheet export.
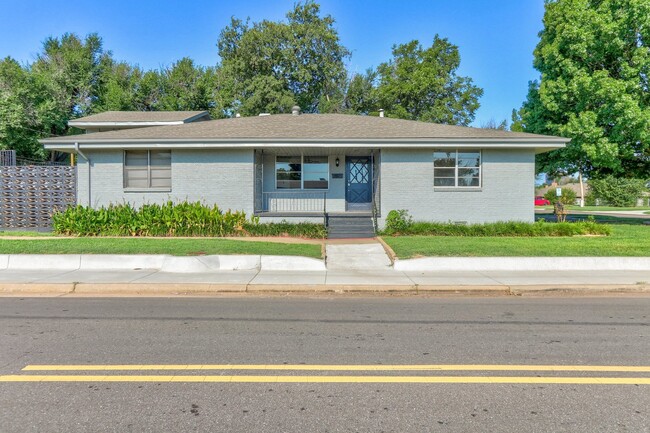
305	129
137	118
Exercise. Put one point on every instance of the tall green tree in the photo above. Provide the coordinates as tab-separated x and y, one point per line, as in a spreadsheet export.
186	86
270	66
120	83
422	84
361	95
594	61
21	103
71	70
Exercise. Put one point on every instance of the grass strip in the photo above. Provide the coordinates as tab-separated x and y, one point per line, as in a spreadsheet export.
176	247
625	240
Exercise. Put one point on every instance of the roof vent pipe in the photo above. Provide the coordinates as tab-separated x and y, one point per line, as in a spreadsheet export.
381	112
295	110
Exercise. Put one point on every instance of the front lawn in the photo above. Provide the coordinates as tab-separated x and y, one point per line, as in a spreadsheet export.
625	240
173	246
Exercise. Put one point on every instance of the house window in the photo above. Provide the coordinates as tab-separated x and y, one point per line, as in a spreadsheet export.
457	168
302	172
148	169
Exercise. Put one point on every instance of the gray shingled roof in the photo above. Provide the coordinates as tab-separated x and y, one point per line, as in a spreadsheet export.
307	127
139	116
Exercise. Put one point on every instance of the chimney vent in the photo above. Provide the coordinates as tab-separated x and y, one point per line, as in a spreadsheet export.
295	110
381	112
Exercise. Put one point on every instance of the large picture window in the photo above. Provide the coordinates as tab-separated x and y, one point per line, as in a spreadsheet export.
457	168
148	169
301	172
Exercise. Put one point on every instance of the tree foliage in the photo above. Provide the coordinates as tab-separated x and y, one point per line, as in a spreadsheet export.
21	105
421	84
617	191
271	66
594	61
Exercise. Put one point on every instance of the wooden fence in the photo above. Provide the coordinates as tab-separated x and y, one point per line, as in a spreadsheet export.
29	194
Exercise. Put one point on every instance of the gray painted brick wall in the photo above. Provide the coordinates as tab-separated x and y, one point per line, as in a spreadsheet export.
506	193
222	177
225	177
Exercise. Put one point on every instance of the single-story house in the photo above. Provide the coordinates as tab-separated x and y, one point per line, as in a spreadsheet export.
310	167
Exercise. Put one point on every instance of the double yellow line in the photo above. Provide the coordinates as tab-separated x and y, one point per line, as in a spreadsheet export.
586	380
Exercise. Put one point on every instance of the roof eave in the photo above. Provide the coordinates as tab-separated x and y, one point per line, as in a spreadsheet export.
539	144
99	124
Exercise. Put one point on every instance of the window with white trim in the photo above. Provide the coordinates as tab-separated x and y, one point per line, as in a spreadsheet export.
301	172
457	168
148	169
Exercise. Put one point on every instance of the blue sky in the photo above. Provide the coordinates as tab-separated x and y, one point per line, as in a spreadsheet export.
496	38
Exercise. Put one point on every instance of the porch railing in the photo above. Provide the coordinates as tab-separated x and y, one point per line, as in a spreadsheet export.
295	201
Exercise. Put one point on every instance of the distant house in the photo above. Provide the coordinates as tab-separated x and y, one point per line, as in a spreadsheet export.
575	187
307	167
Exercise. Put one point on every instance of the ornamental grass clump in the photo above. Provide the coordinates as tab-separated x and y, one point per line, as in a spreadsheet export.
168	219
171	219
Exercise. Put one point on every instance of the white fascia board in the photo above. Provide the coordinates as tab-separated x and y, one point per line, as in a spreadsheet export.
538	146
377	143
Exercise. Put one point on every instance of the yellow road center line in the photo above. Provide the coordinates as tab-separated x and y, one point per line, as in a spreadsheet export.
325	367
335	379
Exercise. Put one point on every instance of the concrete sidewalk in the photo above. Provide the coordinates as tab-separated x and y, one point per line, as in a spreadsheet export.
156	282
355	267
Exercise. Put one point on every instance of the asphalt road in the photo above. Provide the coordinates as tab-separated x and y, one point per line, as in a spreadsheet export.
272	364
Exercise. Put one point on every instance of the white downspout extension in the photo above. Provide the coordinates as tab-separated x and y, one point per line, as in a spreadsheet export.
79	152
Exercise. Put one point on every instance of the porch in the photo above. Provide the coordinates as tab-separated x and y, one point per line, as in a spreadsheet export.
313	182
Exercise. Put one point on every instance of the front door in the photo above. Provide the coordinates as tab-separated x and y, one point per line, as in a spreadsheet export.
358	176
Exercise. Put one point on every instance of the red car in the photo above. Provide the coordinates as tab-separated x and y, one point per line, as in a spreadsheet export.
541	201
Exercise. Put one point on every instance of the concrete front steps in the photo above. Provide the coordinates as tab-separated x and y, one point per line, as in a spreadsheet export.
350	226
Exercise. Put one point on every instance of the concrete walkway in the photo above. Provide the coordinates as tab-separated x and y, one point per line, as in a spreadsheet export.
348	256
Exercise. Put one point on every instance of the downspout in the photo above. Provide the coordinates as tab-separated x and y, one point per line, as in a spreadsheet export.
78	150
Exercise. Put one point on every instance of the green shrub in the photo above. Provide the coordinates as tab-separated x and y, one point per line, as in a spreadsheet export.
284	228
590	199
508	228
619	192
398	221
568	196
170	219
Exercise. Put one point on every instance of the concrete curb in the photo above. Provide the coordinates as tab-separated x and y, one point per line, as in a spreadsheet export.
524	264
159	262
579	289
181	289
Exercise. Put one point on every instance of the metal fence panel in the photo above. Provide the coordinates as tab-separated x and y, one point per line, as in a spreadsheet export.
29	194
7	157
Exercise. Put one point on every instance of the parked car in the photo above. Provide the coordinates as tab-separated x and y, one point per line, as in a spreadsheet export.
541	201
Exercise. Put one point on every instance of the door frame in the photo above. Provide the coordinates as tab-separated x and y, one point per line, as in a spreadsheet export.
370	180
